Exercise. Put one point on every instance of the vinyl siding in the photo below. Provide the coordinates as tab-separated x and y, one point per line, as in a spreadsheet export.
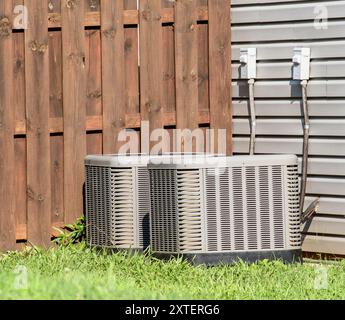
275	28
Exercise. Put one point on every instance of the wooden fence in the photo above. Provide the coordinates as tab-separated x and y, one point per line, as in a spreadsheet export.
70	82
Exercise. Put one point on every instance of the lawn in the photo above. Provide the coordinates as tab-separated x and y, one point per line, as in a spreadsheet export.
76	272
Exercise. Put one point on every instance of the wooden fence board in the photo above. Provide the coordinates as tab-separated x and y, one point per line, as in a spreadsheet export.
220	68
169	88
203	66
131	70
56	111
151	71
7	196
113	70
57	165
99	72
55	72
186	50
132	100
37	115
169	98
20	205
74	101
18	98
93	64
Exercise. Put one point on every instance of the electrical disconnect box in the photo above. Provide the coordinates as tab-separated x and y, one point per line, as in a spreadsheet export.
301	64
248	63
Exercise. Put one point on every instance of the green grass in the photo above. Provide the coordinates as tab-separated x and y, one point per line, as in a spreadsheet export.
76	272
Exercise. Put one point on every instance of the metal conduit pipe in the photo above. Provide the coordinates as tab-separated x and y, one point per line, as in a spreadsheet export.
314	206
301	71
306	131
248	71
252	117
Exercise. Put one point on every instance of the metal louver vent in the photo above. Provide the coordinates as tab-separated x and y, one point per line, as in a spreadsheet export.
238	208
293	205
278	209
244	208
259	219
122	214
164	213
143	207
225	213
118	201
264	198
97	209
189	210
252	205
211	208
218	215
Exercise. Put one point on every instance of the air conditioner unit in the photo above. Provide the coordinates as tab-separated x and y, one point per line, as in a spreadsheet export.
117	199
219	210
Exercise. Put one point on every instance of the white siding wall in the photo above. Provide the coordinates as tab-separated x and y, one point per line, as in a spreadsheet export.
275	28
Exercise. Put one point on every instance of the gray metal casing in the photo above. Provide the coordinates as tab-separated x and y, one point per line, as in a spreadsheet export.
225	205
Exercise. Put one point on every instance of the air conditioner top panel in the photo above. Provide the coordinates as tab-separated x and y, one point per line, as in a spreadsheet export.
221	161
117	160
139	160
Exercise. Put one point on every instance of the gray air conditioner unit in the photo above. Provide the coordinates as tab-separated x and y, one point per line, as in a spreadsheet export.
118	201
223	209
